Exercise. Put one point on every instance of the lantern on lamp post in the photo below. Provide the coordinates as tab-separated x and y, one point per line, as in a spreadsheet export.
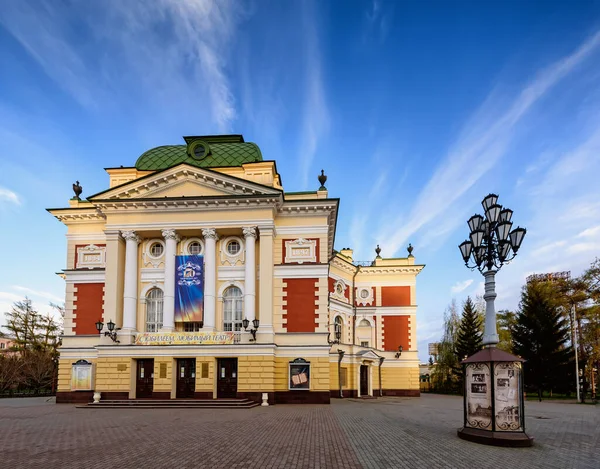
493	379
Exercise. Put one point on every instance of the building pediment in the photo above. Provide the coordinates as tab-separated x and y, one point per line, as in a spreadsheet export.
368	355
184	181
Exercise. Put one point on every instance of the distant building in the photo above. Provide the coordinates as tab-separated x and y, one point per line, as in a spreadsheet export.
434	348
5	344
549	277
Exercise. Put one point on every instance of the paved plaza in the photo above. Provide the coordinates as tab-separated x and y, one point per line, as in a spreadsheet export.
383	433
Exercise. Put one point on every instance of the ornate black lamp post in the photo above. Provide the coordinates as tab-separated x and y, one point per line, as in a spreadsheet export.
492	245
493	393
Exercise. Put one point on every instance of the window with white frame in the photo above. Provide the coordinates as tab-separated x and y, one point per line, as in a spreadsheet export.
156	250
339	326
154	310
232	309
233	248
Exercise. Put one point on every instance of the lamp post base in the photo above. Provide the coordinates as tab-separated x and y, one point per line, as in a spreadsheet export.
485	437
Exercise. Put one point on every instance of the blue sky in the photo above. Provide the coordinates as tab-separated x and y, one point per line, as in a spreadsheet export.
416	111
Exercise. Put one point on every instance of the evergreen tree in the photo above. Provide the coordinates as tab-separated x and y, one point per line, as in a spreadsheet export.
540	336
469	338
506	322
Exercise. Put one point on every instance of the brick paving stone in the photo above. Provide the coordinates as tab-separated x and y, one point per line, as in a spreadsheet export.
36	433
384	433
421	433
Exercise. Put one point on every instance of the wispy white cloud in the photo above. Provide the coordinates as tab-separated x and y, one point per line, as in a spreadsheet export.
563	234
590	232
482	144
361	215
175	51
378	20
38	294
315	120
8	196
461	286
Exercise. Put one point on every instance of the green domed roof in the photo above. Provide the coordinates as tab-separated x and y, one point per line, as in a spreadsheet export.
219	151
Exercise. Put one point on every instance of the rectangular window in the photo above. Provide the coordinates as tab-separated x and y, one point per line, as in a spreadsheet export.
364	343
191	327
2	345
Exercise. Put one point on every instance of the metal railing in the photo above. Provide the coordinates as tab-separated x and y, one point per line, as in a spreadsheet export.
363	263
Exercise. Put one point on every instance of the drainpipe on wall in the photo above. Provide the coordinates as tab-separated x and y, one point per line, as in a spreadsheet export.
380	388
354	306
340	357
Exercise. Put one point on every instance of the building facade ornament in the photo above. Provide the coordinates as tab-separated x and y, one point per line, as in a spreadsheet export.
130	236
249	231
210	233
170	234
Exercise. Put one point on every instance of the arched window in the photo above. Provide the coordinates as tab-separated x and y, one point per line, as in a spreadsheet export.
154	310
232	309
339	326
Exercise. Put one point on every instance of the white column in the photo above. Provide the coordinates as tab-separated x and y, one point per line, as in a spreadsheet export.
130	283
250	273
171	240
210	281
490	336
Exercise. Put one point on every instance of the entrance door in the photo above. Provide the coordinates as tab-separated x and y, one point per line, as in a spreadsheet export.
227	378
144	378
186	377
364	380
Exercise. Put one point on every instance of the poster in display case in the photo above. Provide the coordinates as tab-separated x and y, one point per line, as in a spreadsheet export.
299	375
507	405
478	396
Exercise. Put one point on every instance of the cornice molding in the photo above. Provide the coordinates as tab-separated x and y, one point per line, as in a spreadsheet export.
78	215
183	204
391	270
344	266
153	183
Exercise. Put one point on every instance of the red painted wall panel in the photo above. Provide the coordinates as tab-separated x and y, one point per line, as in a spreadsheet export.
300	311
89	307
396	332
395	296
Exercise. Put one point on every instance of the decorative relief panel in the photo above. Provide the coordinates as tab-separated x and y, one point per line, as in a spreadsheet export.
91	257
300	250
339	289
152	254
364	296
191	246
232	251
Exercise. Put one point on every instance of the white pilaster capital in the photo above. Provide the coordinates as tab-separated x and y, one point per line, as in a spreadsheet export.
170	234
249	231
130	236
210	233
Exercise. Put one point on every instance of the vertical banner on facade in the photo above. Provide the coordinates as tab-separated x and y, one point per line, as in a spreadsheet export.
189	288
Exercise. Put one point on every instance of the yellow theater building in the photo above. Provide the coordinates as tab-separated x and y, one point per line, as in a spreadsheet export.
195	275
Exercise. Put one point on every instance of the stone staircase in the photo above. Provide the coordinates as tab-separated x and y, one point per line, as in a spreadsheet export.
172	404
